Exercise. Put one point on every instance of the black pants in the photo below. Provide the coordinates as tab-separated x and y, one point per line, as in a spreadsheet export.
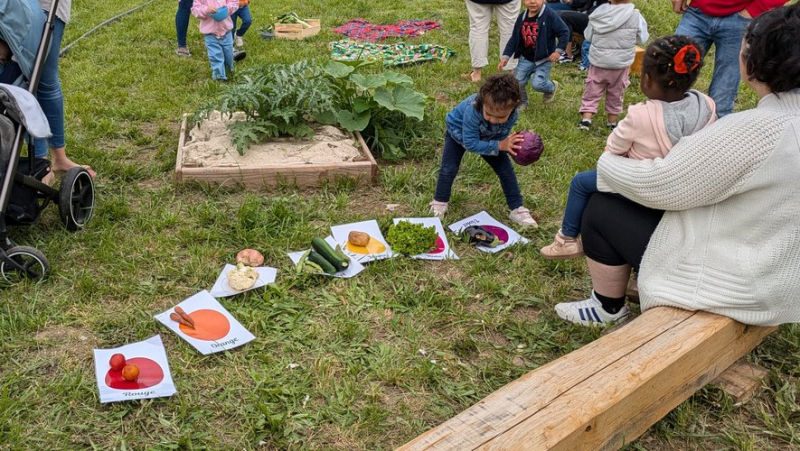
616	230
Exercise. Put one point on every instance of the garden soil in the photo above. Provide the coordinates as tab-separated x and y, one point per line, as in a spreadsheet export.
209	145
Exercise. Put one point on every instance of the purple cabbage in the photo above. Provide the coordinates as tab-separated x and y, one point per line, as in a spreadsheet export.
531	148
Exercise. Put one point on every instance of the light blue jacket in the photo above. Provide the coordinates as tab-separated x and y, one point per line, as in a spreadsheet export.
21	26
467	127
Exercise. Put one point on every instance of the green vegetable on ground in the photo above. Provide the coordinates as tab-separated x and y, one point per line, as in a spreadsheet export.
337	259
327	267
292	17
410	238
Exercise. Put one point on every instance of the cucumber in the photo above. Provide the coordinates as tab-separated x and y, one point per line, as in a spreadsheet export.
325	249
316	257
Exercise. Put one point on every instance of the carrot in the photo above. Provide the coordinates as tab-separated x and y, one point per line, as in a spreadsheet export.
185	316
178	319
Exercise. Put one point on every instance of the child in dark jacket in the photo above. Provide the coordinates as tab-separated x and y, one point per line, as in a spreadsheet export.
534	43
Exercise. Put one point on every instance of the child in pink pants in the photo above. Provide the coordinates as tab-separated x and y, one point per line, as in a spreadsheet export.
614	30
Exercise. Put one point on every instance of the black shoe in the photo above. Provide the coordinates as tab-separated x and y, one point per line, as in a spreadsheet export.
239	55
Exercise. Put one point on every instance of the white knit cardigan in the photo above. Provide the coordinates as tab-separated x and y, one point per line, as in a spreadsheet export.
729	242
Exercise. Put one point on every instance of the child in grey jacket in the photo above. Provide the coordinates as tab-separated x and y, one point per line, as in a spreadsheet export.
614	30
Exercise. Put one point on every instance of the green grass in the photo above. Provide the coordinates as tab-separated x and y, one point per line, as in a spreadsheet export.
363	363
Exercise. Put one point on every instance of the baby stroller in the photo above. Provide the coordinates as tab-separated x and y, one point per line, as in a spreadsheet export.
23	195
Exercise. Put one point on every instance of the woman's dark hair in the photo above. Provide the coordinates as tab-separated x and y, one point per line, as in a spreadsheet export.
772	48
501	90
674	62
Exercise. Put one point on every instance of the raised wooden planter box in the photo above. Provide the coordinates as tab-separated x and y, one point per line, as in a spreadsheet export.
268	176
297	31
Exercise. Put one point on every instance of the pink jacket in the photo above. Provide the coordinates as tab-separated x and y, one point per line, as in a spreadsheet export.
642	135
209	25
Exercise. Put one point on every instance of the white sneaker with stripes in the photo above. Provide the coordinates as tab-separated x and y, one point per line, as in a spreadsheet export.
589	312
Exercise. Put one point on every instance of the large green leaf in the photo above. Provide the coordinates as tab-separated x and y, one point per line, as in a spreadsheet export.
397	78
353	122
361	104
368	82
326	117
336	69
402	98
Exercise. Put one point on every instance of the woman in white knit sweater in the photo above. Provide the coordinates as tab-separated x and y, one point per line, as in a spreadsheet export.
715	225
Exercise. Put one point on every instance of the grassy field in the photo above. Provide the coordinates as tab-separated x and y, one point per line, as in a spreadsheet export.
365	363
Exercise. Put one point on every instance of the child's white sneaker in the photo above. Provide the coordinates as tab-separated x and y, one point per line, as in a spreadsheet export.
522	216
589	312
239	42
438	208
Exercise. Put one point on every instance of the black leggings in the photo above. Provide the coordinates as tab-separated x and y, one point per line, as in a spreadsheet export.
615	231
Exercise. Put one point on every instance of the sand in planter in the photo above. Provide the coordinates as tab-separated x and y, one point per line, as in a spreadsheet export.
209	145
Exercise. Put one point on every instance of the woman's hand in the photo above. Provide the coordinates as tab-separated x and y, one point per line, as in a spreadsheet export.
511	144
502	64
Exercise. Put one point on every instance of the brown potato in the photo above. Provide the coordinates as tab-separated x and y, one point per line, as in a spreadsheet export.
358	238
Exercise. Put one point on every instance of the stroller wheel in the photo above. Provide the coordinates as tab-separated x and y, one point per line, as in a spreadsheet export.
23	262
76	198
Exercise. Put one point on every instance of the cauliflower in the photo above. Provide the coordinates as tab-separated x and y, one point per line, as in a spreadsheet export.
242	277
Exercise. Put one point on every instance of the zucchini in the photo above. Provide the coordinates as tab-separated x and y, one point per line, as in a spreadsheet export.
316	257
325	249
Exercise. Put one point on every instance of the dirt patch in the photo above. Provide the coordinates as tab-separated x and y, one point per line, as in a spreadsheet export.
209	144
61	346
526	314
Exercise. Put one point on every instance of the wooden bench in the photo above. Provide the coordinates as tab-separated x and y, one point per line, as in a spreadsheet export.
605	394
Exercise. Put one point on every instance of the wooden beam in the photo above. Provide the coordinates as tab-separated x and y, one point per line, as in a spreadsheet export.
606	393
741	381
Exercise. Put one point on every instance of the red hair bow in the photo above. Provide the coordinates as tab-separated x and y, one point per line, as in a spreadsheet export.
680	63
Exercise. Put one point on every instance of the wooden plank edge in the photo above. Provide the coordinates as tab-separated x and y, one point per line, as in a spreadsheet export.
181	142
523	397
611	397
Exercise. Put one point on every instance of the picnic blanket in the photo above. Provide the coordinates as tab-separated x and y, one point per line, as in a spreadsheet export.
363	30
390	54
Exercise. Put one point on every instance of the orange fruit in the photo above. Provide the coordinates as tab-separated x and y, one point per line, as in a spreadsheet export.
130	372
117	362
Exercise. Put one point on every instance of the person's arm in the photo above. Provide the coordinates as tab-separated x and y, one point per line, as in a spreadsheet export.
620	141
642	36
702	169
759	7
200	10
562	31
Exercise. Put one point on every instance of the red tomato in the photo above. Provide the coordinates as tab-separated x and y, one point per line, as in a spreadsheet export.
117	362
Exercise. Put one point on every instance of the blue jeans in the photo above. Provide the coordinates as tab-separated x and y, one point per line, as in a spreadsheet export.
49	94
501	164
583	185
247	20
182	20
558	6
726	34
585	53
220	54
540	80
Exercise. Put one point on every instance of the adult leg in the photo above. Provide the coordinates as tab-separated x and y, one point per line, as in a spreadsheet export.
583	185
585	47
558	6
506	17
182	24
451	161
726	77
502	166
51	99
216	57
480	19
523	73
616	232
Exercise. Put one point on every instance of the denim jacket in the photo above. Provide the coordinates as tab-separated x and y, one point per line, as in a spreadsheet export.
467	127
